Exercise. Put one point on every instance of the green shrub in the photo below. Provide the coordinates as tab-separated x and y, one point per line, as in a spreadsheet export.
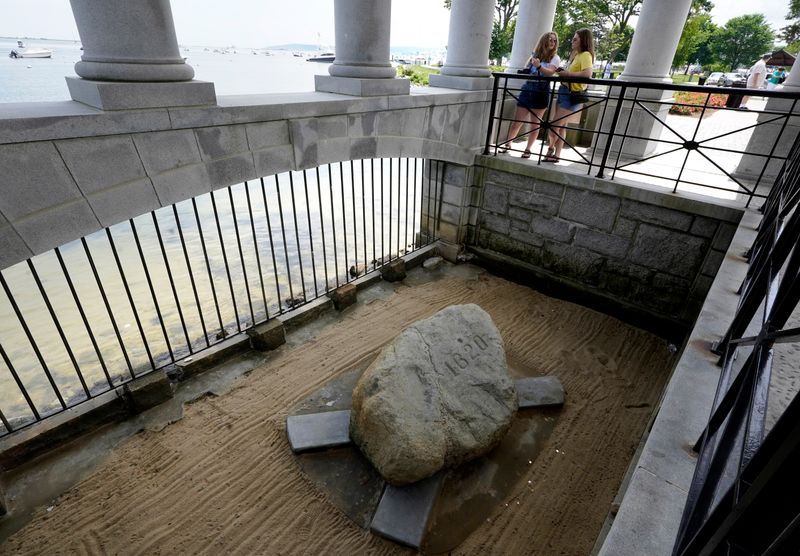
418	75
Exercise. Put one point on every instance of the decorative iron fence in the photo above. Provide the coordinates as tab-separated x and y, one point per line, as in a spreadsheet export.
626	130
745	494
98	312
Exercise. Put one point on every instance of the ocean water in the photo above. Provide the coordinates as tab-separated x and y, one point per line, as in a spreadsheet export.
233	71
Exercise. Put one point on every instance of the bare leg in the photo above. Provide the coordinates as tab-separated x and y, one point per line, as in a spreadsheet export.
563	117
535	121
520	117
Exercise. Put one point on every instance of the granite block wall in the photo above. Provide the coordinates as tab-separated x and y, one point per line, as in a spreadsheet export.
635	247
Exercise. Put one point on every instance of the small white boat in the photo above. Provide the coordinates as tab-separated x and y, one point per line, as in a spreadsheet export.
23	51
322	57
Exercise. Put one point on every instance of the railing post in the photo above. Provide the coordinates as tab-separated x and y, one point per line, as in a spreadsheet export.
491	115
611	131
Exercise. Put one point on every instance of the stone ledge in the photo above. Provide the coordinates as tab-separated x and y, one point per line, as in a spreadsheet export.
47	121
359	87
699	205
117	95
662	473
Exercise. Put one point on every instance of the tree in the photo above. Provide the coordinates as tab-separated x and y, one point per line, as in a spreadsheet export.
791	33
742	40
608	20
696	32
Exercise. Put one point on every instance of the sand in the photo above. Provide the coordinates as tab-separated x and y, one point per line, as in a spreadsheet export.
223	480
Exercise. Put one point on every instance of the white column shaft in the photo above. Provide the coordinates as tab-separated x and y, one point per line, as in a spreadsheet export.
362	39
534	19
655	40
469	38
127	40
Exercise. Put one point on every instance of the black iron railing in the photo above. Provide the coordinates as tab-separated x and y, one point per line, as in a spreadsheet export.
700	151
98	312
745	494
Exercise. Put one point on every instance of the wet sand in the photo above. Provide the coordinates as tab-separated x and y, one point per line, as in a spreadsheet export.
223	480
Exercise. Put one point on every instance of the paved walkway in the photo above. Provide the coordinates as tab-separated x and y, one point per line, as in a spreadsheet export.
717	130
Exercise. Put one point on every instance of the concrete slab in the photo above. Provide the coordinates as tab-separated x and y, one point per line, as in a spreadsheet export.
403	512
540	391
318	430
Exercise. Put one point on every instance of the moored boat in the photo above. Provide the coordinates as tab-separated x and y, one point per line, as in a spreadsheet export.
23	51
322	57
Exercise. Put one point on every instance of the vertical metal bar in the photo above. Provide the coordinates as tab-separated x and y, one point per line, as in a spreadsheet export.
310	236
694	136
6	424
612	130
408	172
130	298
171	281
82	313
225	260
271	246
364	217
57	324
383	256
344	224
389	223
152	290
208	264
107	305
255	249
440	167
285	247
241	256
21	386
399	179
333	227
624	133
297	236
599	128
414	214
372	200
430	197
355	219
191	274
36	350
322	230
491	116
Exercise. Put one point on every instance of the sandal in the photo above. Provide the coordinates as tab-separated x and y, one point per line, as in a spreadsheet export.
550	158
526	154
502	150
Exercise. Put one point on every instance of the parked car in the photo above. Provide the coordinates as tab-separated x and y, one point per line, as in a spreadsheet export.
734	79
715	79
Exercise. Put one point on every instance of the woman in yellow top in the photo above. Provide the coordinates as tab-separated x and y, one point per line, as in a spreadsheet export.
579	65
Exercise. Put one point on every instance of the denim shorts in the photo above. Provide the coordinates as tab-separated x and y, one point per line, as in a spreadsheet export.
564	99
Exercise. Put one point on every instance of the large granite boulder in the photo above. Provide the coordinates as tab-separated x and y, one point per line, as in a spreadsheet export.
437	396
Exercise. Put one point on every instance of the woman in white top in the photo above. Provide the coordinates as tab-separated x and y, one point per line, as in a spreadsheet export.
534	98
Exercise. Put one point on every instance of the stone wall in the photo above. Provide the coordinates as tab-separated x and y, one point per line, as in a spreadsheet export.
635	249
67	170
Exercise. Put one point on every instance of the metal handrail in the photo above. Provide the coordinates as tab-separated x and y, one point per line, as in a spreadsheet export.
614	129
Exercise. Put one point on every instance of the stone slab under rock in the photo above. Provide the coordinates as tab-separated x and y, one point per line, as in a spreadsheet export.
437	396
540	391
403	512
315	431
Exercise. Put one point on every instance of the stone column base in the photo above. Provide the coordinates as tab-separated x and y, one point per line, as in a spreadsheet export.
118	95
361	86
461	82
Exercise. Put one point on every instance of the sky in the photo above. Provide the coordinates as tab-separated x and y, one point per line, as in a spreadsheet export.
260	23
243	23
